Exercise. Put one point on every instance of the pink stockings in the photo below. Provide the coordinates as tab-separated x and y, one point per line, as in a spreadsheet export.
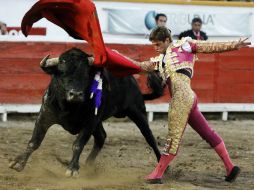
200	125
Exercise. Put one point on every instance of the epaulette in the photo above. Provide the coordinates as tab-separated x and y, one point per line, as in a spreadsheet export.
182	41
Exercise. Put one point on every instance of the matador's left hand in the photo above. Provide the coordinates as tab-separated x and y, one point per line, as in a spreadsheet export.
242	43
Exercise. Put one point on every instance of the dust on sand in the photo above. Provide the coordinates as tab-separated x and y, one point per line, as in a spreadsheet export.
126	159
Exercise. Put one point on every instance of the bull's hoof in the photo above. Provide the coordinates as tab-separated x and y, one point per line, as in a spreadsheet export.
71	173
17	165
90	163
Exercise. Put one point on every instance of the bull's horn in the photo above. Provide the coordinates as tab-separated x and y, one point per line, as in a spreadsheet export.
46	62
52	62
43	61
90	60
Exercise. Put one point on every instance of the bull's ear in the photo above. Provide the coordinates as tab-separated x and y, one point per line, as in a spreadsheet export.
49	65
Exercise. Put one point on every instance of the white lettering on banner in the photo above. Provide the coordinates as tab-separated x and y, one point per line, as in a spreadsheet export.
206	19
187	18
142	21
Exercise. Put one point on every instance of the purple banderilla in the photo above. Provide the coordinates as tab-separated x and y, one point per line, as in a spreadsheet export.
96	90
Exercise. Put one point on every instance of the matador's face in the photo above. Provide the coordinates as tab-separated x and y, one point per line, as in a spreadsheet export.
161	46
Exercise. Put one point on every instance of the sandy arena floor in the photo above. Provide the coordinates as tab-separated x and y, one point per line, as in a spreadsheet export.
126	159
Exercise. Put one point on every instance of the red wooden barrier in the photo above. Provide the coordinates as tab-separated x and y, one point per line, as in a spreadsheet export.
223	78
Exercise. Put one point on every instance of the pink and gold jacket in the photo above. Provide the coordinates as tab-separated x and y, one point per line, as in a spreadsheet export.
182	55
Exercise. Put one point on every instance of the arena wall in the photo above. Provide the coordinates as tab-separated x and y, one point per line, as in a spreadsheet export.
218	78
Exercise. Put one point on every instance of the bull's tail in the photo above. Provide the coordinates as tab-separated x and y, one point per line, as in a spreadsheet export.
155	83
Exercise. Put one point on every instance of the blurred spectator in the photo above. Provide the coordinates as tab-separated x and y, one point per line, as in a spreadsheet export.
161	19
3	28
195	32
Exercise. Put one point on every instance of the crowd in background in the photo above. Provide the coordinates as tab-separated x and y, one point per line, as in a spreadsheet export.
3	28
195	32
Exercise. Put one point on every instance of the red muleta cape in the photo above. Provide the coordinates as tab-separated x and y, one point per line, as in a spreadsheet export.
79	19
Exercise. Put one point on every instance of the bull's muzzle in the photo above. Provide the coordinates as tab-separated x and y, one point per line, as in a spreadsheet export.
75	96
49	62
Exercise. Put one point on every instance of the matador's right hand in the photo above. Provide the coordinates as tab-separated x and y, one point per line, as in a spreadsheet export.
149	65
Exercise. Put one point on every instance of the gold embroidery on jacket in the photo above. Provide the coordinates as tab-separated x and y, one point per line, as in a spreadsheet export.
214	47
181	104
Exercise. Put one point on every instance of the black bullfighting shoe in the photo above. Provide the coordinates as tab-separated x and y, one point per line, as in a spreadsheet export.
155	181
233	174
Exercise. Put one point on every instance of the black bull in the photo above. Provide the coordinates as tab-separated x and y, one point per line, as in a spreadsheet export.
67	102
